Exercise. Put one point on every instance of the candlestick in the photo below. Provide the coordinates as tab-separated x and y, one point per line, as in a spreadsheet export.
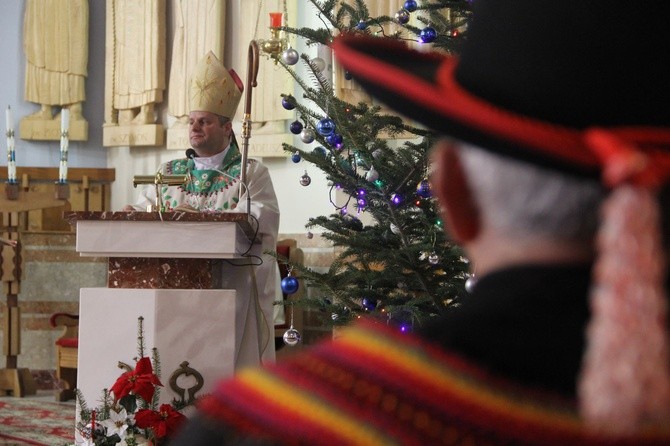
64	141
11	155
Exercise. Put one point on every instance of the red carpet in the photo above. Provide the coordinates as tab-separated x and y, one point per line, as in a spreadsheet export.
35	422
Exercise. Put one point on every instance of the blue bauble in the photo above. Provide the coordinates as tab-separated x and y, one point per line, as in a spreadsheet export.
325	126
369	304
296	127
296	157
423	189
335	140
362	25
428	34
410	5
287	104
289	285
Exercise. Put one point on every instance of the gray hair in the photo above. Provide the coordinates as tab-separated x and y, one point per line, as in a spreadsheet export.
521	200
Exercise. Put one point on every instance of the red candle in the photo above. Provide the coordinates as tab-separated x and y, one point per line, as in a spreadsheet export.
275	19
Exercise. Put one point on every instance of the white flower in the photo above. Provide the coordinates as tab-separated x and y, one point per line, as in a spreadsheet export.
116	423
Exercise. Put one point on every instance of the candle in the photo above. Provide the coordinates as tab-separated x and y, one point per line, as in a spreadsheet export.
11	155
64	127
275	19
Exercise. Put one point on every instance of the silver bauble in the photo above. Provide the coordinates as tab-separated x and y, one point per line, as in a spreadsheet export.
402	16
305	180
433	259
319	63
290	56
394	229
307	135
371	175
292	337
470	283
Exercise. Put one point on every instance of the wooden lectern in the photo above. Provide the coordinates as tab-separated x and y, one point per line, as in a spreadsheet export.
164	268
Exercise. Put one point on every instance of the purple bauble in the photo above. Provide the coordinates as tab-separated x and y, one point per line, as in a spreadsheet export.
287	104
296	127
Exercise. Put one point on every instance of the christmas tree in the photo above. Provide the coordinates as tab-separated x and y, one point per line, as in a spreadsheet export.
394	260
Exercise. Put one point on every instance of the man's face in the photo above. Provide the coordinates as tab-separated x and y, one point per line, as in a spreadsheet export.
206	133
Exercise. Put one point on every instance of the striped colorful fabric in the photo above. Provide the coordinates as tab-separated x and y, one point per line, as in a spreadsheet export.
376	386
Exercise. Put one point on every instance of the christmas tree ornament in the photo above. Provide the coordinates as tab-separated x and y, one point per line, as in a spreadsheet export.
305	180
296	157
289	284
292	337
307	135
362	25
470	283
377	153
347	75
369	304
371	175
335	140
290	56
433	258
319	64
410	5
310	235
287	103
396	199
296	127
394	229
325	126
320	151
428	34
423	189
402	16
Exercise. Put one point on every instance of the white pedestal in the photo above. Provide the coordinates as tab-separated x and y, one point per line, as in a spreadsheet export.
197	326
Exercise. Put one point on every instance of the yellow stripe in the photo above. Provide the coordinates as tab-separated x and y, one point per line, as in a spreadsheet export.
307	407
428	370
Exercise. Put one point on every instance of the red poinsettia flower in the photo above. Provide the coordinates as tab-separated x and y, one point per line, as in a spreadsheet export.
141	382
163	423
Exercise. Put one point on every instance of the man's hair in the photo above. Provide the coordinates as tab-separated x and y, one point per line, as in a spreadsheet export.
223	120
520	200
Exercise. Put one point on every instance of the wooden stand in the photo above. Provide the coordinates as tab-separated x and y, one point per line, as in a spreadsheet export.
14	203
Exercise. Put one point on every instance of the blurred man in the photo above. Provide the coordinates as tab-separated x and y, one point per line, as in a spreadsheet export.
555	116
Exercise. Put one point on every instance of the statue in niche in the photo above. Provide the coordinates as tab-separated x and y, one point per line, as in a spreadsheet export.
199	28
55	44
134	72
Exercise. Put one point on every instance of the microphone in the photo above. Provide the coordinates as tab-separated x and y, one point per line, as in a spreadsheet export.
190	153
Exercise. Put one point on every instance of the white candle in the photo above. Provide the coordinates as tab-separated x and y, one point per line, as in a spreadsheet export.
8	116
64	127
11	156
64	120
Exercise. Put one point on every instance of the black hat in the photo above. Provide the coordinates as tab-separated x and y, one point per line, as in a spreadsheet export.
579	86
533	78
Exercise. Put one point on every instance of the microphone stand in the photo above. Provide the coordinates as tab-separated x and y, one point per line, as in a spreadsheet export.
252	74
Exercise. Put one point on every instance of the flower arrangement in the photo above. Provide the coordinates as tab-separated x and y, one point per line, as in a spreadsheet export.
129	412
